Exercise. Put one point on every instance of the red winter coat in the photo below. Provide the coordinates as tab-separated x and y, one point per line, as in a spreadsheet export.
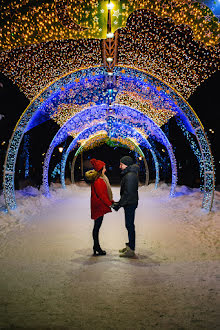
100	203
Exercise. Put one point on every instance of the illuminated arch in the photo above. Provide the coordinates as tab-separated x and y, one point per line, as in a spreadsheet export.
73	144
112	125
196	150
124	77
97	139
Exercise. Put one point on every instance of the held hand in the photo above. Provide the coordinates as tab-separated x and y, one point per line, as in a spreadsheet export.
116	206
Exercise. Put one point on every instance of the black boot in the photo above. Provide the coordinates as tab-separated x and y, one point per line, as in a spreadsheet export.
97	251
96	247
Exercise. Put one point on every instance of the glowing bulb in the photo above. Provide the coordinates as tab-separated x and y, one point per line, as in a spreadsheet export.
60	149
110	5
109	59
110	35
110	73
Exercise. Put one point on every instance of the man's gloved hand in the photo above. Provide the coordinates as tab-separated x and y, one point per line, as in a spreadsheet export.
116	206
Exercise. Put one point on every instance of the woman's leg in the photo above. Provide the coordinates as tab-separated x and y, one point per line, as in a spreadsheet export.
95	232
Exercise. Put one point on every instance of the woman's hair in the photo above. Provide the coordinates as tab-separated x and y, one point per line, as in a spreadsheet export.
99	173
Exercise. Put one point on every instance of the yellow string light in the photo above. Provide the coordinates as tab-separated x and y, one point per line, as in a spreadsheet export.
25	24
148	42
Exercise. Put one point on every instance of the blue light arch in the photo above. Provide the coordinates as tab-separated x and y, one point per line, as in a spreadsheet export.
125	77
140	140
112	124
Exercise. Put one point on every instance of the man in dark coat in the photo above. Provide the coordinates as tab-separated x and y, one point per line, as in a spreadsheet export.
129	201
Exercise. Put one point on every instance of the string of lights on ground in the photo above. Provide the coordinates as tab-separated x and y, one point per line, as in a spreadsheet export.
165	50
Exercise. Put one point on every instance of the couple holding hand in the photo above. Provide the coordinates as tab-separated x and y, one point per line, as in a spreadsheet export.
102	200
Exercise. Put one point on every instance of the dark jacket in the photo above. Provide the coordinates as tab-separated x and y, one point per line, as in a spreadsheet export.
129	186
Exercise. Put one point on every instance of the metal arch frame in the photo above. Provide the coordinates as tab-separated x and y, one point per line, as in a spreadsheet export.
80	149
65	156
62	179
195	124
186	110
109	46
110	50
20	128
61	135
161	137
195	148
54	143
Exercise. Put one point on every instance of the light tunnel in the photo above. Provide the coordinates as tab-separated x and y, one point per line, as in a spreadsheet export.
129	137
103	137
97	140
128	88
120	122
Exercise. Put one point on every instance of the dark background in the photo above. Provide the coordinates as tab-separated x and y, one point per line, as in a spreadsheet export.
205	102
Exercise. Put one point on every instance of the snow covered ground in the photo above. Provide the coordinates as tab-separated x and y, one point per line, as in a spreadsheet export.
50	280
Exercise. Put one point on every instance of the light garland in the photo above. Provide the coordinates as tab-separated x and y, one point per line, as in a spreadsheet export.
118	140
149	127
167	51
195	148
25	155
118	128
127	79
72	127
73	98
24	23
136	101
148	42
95	140
56	170
98	139
83	136
32	68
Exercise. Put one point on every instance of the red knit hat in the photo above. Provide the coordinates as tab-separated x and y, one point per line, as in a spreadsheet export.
97	164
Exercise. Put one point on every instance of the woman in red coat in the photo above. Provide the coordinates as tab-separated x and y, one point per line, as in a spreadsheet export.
101	199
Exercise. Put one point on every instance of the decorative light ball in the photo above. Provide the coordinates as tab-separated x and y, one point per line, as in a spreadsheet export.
60	149
110	35
110	5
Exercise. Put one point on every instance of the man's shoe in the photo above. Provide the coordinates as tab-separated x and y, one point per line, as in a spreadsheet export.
129	253
123	250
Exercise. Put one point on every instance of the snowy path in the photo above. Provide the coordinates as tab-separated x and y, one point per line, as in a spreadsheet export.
50	280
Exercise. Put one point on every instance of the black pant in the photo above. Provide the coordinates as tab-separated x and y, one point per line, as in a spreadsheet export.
95	232
129	224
